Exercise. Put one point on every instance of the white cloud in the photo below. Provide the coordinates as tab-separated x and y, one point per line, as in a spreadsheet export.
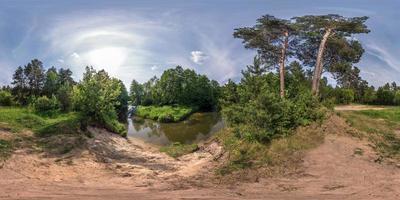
75	55
60	60
198	57
154	67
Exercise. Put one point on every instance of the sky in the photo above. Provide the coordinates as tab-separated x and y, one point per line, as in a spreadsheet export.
140	39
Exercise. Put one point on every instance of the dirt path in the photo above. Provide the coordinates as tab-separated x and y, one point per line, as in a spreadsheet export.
341	168
359	107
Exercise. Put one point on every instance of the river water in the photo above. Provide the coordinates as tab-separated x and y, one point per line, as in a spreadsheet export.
198	127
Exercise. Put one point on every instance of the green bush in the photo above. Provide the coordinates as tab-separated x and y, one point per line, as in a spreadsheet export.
45	105
268	116
396	99
5	98
344	96
164	113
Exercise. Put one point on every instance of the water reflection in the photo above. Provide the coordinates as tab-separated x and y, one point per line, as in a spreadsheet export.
197	127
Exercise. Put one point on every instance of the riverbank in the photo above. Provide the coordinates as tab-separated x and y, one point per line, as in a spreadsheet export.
165	113
109	166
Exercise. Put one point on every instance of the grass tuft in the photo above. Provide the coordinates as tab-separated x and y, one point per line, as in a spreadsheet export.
177	149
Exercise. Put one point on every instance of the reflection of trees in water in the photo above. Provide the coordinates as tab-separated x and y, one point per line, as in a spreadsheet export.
197	127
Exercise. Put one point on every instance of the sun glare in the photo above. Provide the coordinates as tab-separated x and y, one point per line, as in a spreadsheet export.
108	58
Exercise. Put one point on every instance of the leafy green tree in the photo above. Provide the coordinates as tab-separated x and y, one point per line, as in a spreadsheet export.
385	94
123	98
64	96
274	40
65	76
96	97
136	93
6	98
19	89
51	83
327	41
35	77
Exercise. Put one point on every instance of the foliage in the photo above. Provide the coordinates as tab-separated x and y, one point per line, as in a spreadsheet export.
177	149
45	105
5	149
344	96
122	107
136	93
177	86
379	127
96	97
281	155
164	113
261	115
5	98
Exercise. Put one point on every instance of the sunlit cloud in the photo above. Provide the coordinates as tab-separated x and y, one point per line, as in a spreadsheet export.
197	57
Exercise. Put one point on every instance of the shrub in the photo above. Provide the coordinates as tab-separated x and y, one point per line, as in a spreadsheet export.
268	116
5	98
45	105
396	99
344	96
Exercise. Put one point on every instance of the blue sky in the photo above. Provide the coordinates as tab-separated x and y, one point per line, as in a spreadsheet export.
140	39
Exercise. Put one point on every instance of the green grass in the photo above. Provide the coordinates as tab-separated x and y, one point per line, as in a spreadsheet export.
177	149
5	149
278	157
17	119
380	127
56	134
164	113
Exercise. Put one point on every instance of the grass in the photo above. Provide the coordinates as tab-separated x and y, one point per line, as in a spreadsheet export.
177	149
57	134
5	149
164	113
380	127
280	156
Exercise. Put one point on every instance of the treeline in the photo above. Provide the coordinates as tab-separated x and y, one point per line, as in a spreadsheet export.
177	86
100	99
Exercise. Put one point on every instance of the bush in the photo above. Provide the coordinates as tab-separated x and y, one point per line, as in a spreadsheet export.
5	98
344	96
45	105
269	116
396	99
164	113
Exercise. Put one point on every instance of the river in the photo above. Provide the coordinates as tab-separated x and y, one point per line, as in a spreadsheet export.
198	127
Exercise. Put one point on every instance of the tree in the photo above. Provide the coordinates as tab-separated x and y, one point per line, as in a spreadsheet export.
123	98
34	75
19	86
51	83
136	92
65	76
327	41
274	40
96	97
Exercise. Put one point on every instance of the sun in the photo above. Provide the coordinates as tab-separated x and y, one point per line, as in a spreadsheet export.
108	58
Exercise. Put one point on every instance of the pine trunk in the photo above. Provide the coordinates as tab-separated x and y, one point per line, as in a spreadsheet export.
282	65
318	65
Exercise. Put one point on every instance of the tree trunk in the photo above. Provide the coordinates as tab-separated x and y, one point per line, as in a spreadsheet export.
318	65
282	64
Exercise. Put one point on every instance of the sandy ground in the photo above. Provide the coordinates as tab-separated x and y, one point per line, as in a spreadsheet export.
114	168
359	107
